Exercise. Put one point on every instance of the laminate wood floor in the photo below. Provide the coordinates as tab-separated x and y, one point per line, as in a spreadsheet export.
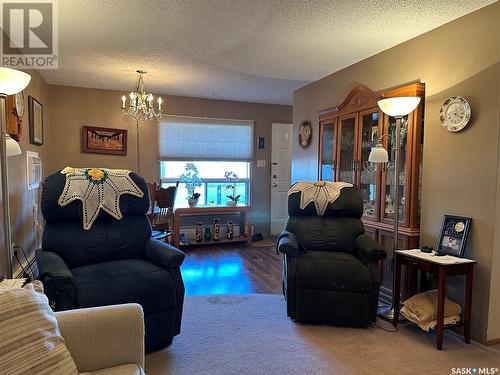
231	269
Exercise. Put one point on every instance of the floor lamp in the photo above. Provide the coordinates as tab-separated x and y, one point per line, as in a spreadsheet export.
397	108
11	82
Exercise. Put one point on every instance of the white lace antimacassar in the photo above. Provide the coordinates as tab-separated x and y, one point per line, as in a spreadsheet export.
319	192
97	188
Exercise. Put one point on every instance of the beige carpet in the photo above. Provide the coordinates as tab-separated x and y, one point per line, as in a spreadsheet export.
250	334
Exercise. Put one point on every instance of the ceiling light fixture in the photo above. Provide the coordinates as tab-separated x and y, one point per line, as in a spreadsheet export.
140	102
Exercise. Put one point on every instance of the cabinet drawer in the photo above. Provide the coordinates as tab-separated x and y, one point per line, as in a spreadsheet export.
418	264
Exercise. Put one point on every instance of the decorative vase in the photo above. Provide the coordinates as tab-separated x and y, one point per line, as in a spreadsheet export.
192	202
216	230
208	233
199	231
230	230
231	203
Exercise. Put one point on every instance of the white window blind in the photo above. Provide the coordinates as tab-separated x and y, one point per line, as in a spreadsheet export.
191	138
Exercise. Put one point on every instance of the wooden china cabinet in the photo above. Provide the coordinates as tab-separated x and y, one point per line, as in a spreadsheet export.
347	133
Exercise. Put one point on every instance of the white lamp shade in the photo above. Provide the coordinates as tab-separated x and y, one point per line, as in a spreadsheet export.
12	146
13	81
378	154
399	106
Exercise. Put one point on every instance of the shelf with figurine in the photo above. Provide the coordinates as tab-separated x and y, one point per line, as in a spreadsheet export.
214	234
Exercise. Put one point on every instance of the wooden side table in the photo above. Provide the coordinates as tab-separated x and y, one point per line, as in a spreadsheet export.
442	267
245	225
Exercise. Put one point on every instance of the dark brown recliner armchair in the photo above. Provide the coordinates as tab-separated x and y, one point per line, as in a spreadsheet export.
330	267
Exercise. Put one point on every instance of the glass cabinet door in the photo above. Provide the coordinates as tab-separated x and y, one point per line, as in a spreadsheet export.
328	152
388	204
368	174
346	154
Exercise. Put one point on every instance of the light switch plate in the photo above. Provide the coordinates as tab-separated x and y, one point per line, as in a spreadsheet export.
261	163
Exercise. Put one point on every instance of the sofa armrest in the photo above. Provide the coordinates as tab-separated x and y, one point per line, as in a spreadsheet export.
103	337
368	250
289	245
51	266
57	280
163	254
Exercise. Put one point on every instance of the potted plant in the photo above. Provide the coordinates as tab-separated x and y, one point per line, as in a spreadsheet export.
191	180
231	178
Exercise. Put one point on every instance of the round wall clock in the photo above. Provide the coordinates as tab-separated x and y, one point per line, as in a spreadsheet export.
15	112
305	132
455	113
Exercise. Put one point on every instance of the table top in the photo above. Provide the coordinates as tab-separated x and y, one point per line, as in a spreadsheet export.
212	209
432	258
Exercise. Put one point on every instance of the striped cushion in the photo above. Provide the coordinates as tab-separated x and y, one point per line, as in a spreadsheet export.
30	341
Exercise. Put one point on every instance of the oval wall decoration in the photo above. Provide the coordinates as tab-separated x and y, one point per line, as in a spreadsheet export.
305	133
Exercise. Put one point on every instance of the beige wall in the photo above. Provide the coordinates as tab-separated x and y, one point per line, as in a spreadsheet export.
21	200
74	107
460	170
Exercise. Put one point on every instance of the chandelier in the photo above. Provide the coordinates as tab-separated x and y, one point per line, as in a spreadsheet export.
141	106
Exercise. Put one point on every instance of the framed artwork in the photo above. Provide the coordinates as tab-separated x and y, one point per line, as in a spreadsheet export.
104	140
35	112
454	233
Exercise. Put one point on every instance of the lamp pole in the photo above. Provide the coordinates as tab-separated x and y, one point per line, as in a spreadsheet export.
138	156
396	107
7	234
397	137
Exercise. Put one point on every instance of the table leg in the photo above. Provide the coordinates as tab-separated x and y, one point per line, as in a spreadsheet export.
175	233
468	303
396	289
440	312
242	223
249	233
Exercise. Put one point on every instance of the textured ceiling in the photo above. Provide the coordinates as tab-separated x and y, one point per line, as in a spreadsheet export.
248	50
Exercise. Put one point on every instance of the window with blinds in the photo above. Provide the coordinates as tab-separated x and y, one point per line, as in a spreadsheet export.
215	146
187	138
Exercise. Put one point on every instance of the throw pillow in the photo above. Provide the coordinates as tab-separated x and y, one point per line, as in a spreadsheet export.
30	340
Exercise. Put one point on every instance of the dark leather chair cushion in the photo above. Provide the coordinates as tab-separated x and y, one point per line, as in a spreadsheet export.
125	281
107	240
325	233
337	271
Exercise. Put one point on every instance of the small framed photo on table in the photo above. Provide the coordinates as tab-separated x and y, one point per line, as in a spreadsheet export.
454	233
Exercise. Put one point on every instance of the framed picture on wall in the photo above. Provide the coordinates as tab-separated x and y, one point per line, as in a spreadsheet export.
454	234
35	112
104	140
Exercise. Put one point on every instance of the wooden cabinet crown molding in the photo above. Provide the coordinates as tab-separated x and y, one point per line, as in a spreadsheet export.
359	99
362	98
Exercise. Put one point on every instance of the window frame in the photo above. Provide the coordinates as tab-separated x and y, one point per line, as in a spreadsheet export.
247	181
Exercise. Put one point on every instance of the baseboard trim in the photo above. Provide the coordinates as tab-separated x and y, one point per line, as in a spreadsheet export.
493	342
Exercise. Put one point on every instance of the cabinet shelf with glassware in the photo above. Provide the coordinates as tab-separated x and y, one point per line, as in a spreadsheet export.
347	133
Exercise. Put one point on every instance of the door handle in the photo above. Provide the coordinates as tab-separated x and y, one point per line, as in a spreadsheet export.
275	185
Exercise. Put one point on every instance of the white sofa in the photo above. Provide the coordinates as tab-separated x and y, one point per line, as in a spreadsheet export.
105	340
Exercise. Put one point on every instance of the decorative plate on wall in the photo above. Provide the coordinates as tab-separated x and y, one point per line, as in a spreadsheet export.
305	133
455	113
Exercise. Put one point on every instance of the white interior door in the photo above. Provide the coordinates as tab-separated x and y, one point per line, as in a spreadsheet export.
281	165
